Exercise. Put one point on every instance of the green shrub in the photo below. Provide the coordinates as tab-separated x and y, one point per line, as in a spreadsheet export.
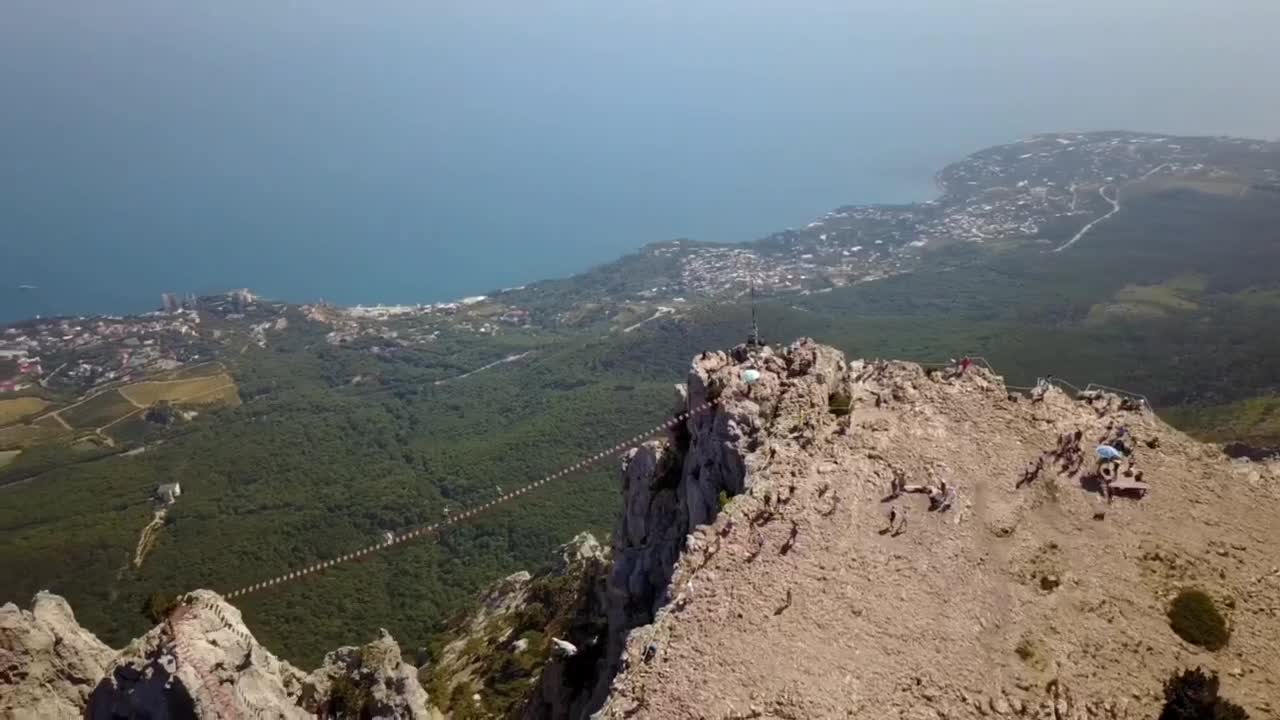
724	499
840	404
1193	695
1195	618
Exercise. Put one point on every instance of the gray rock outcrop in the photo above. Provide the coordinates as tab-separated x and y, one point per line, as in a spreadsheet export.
201	662
48	663
792	594
674	485
368	681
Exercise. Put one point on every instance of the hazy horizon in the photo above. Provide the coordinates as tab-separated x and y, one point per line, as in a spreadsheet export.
401	153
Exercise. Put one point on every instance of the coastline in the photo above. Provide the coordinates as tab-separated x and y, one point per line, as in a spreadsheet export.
37	302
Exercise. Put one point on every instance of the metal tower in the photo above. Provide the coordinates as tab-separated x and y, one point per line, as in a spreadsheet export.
754	340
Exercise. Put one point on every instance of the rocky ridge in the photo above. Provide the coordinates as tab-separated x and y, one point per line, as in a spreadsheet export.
201	662
1032	595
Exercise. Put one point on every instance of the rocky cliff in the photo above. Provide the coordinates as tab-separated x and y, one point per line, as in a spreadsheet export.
823	538
1016	577
529	642
202	662
48	663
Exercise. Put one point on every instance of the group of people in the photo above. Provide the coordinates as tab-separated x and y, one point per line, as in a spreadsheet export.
941	497
1117	463
1067	457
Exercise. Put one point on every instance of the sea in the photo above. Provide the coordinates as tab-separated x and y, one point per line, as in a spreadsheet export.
405	151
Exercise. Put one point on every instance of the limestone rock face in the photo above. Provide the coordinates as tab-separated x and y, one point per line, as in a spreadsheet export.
673	486
201	661
506	657
368	681
48	663
756	573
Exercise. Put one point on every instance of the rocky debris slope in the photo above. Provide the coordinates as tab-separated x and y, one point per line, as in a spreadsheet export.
201	662
1032	594
48	663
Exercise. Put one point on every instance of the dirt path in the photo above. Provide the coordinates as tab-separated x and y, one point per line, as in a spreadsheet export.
661	311
147	539
494	364
1154	170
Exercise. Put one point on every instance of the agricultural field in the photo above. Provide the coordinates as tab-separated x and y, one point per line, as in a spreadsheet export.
98	410
17	437
219	388
15	409
113	406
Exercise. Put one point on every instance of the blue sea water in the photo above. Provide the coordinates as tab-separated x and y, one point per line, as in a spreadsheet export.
406	151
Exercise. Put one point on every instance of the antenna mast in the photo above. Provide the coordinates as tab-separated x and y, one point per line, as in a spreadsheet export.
754	340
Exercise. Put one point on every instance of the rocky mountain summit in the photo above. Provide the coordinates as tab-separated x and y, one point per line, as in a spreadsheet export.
755	571
825	538
1017	577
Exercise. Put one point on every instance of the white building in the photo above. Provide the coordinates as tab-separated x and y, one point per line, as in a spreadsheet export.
168	492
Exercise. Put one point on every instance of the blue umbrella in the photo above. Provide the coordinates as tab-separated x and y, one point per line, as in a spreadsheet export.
1106	452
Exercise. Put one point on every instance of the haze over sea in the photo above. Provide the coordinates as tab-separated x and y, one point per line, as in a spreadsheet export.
407	151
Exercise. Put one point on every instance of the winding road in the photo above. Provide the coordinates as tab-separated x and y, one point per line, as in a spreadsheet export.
495	363
1115	208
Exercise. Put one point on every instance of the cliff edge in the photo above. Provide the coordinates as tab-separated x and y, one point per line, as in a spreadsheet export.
1016	578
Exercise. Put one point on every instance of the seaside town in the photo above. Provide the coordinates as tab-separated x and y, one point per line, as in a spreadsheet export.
86	352
1048	189
77	354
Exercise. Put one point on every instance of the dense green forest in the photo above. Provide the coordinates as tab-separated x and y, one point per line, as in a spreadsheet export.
1175	298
